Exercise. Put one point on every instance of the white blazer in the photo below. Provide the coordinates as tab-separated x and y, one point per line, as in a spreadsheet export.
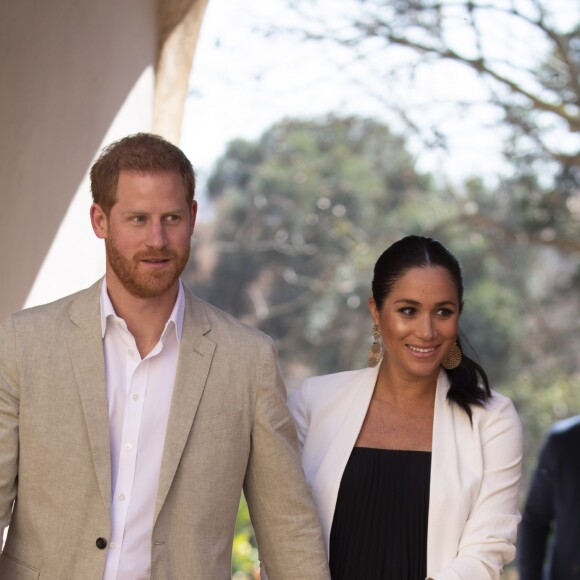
475	469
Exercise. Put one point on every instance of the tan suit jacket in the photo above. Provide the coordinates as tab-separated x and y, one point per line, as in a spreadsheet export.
228	427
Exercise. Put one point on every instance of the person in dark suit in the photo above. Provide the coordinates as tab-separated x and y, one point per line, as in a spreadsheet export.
552	507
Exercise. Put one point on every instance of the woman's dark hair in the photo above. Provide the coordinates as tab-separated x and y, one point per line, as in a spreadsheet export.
419	252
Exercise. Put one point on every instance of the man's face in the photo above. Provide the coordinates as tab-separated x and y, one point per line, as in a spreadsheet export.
147	233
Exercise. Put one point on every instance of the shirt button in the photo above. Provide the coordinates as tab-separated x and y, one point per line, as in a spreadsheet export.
131	352
112	546
122	497
135	397
129	446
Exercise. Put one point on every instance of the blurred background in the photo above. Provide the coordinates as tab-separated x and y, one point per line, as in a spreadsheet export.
349	125
321	132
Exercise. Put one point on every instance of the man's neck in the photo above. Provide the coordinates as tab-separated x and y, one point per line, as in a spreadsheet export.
145	317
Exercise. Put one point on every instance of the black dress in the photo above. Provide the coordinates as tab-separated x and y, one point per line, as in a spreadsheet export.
379	530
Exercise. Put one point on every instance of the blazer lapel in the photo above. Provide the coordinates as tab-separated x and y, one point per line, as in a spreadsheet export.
353	405
196	354
85	346
445	491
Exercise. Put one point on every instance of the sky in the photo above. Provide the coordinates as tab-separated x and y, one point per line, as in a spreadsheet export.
244	80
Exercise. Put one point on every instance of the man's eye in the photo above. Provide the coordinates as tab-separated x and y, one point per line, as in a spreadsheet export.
138	219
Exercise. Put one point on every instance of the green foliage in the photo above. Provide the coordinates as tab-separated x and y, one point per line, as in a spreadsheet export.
302	216
245	563
303	213
541	400
521	62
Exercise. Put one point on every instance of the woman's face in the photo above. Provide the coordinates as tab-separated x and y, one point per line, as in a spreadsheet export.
419	321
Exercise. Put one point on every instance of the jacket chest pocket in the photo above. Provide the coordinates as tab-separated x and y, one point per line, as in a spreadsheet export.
229	422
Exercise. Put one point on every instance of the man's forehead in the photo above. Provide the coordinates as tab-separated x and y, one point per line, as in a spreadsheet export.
149	188
130	173
130	177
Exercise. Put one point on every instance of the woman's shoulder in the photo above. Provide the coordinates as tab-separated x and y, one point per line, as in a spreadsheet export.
498	412
499	403
496	404
336	379
328	386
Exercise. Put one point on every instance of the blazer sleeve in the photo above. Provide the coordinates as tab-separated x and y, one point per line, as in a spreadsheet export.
298	410
538	517
287	529
9	412
488	538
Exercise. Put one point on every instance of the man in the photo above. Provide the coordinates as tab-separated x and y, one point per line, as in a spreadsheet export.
132	413
553	507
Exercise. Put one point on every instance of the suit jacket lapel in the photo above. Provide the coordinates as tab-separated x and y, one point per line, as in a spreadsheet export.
196	354
354	403
445	491
85	346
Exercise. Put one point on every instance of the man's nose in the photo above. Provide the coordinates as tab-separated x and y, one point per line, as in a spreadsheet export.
156	236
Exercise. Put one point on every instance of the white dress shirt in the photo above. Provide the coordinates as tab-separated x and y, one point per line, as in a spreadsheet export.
139	393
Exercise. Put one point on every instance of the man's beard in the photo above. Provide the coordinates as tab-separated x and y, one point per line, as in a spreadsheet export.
145	284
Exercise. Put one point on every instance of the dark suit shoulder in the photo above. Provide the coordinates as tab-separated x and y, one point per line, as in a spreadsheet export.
566	431
561	444
571	424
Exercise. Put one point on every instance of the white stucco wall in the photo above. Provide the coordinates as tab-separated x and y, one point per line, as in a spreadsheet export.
76	257
74	75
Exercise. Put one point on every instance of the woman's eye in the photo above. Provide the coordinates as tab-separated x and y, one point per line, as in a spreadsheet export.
445	312
407	311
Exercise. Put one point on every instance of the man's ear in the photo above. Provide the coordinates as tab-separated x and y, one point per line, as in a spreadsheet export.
193	215
99	221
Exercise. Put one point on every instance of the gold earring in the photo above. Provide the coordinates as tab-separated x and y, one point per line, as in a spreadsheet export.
376	350
453	358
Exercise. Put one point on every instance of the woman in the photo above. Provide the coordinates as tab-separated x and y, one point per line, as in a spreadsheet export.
414	463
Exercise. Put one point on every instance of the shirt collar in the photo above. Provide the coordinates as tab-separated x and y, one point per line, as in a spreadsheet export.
176	317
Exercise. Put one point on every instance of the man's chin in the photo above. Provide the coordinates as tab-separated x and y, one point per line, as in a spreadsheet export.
150	288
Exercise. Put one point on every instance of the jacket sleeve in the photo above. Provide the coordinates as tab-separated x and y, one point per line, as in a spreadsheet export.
297	406
281	507
9	412
488	538
538	517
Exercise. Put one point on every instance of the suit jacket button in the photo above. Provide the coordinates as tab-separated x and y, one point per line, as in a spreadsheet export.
101	543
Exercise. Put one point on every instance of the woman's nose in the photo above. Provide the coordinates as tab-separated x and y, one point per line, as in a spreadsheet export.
427	328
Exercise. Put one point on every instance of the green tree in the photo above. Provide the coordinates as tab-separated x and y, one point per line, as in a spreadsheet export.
301	215
521	63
